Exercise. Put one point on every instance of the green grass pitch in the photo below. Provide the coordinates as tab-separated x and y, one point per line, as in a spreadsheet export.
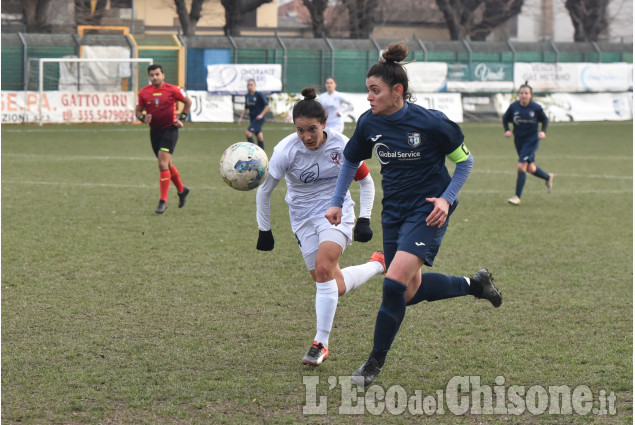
112	314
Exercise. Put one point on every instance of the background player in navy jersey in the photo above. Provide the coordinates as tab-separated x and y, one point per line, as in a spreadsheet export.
257	105
156	105
309	160
526	114
411	143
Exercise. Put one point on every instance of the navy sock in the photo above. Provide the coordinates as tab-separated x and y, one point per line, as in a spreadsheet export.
520	182
541	173
261	144
389	318
437	286
250	139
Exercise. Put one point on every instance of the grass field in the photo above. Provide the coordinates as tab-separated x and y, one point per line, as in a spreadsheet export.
112	314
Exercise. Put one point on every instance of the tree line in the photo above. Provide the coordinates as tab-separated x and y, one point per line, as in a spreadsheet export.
465	19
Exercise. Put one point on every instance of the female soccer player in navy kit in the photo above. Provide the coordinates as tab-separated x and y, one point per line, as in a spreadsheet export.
411	143
526	114
257	105
310	160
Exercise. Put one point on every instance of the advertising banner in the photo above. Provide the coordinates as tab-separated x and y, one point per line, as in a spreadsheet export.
577	106
427	77
574	77
232	79
208	107
480	78
67	107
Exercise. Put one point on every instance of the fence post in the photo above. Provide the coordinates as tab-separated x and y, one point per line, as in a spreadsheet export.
284	62
598	50
25	58
233	43
328	42
423	47
469	51
555	49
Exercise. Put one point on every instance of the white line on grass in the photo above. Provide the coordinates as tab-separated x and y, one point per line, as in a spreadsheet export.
593	176
145	186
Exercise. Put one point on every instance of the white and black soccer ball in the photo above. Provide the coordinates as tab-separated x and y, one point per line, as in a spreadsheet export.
244	166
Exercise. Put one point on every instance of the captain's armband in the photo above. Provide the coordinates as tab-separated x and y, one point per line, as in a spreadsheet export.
460	154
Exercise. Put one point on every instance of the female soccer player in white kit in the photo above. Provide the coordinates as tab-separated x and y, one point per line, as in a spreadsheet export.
335	104
309	160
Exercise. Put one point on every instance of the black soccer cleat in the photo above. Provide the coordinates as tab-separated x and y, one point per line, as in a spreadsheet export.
367	373
183	195
482	286
161	207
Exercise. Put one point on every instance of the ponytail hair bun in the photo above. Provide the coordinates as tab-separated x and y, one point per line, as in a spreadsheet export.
309	93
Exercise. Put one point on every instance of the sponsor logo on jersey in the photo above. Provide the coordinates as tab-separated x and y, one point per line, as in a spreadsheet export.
385	155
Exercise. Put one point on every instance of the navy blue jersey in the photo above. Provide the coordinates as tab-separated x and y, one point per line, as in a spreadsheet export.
525	119
411	146
255	103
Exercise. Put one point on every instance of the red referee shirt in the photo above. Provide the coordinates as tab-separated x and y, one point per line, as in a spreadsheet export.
161	103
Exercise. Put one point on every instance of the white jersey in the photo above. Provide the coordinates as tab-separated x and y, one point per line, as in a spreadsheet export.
335	105
310	175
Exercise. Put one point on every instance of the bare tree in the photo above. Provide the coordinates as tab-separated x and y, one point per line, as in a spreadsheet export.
476	19
189	20
361	17
234	9
589	18
317	9
86	15
36	15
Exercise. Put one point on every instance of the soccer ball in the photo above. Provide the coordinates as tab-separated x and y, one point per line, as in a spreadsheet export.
244	166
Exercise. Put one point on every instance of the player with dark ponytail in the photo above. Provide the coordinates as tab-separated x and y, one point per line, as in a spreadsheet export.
526	114
412	144
310	161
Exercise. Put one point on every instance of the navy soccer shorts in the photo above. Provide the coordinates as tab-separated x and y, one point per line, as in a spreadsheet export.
255	126
164	140
414	236
527	149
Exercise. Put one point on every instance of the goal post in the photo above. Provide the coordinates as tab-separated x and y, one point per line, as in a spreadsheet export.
87	75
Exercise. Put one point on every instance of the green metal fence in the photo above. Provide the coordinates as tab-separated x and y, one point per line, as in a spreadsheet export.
304	61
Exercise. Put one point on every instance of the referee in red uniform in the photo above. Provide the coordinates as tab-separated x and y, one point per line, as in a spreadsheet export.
156	105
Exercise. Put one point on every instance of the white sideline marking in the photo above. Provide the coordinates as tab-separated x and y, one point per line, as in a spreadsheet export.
593	176
145	186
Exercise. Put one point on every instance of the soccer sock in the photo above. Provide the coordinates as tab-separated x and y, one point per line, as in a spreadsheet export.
389	318
541	173
261	144
355	276
164	184
437	286
250	139
176	179
520	182
325	306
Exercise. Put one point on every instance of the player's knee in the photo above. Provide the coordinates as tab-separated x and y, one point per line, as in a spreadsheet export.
392	288
324	272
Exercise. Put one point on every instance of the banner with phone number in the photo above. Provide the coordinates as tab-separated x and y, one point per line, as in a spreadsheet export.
67	107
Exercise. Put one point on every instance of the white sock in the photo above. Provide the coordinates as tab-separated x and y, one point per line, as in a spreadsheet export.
355	276
325	306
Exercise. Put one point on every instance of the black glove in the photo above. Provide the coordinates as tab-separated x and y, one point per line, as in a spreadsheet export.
362	231
265	240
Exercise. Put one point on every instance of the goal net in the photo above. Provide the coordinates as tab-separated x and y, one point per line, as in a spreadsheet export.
87	78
